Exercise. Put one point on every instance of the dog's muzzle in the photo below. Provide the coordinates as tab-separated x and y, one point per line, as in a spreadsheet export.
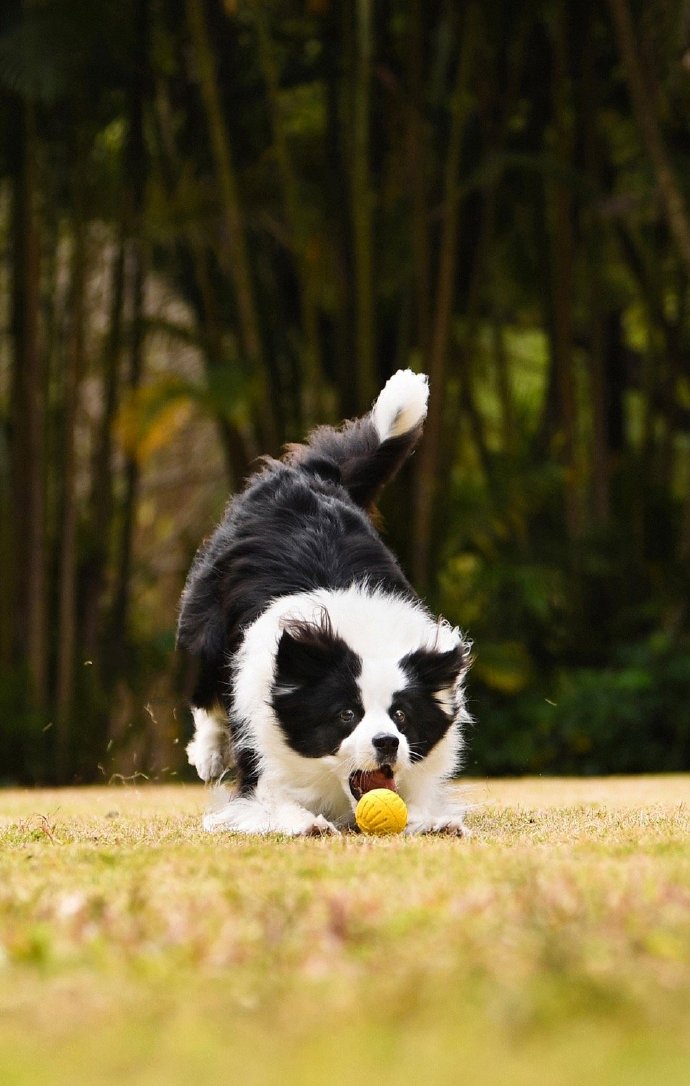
364	780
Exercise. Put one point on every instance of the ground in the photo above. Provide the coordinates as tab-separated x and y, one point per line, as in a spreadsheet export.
553	947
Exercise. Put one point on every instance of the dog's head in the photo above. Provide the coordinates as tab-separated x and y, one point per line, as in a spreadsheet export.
373	714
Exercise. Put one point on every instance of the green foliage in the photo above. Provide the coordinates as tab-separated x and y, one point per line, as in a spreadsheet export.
630	715
48	51
580	665
25	738
622	718
252	213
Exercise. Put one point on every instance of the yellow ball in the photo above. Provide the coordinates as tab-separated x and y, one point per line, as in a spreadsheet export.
381	811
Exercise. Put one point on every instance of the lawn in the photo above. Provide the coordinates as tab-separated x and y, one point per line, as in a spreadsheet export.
553	947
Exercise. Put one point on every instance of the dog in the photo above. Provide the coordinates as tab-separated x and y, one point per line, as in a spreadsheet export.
322	675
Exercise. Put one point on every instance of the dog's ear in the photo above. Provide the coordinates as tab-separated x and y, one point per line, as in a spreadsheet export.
435	671
307	651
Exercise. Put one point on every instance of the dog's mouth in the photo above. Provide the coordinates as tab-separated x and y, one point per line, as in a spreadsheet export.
364	780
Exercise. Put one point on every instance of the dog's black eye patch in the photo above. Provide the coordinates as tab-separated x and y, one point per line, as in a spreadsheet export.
426	720
315	680
425	723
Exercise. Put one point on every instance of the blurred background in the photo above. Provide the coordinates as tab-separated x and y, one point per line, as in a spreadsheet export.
224	222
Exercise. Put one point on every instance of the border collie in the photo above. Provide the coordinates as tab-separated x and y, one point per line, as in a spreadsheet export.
322	675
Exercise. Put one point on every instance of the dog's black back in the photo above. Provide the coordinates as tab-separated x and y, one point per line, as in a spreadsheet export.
300	524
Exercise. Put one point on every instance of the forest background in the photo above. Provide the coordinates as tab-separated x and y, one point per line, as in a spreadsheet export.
223	223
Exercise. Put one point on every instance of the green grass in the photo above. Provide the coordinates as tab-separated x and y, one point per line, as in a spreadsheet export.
553	947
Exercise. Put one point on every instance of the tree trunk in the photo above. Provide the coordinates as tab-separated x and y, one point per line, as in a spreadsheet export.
67	578
428	457
28	440
600	460
561	258
362	210
101	491
7	558
312	391
644	98
135	271
238	442
236	257
418	155
123	576
338	58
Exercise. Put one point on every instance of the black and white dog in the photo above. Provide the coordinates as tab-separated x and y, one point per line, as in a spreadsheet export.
322	675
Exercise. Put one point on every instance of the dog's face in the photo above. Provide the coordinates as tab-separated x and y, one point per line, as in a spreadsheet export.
371	717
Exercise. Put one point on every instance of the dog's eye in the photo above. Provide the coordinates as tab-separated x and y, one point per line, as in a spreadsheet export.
400	716
346	716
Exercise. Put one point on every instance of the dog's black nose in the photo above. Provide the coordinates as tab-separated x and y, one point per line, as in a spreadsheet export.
386	746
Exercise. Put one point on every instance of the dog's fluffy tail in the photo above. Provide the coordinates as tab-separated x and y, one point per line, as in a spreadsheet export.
366	453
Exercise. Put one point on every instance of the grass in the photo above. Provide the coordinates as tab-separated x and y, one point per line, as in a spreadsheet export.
553	947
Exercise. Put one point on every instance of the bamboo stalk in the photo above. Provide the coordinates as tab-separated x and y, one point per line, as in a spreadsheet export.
238	442
28	408
125	541
102	479
428	459
312	391
136	162
561	258
67	581
362	208
418	147
644	98
236	257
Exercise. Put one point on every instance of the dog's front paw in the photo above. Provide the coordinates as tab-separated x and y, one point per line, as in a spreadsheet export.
320	827
451	826
209	762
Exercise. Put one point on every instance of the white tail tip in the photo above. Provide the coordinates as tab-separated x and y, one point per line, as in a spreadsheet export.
401	404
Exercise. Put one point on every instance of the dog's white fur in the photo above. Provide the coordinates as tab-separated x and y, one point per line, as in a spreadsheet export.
401	404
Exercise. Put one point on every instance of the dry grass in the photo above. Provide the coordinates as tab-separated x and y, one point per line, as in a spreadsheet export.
552	947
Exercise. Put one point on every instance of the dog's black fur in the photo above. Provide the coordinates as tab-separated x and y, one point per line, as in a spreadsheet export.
301	523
